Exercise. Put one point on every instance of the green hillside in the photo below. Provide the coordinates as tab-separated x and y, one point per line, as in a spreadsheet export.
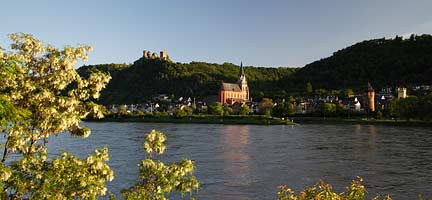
383	62
147	77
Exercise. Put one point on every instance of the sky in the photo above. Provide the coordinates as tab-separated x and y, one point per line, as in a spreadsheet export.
267	33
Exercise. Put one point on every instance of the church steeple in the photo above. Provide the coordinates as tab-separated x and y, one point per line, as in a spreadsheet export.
242	81
241	72
242	76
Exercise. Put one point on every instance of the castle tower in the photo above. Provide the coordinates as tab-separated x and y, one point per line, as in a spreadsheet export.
146	54
154	56
371	98
401	93
163	55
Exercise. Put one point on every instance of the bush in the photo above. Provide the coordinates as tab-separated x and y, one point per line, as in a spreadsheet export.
378	115
283	110
244	110
227	111
216	109
322	191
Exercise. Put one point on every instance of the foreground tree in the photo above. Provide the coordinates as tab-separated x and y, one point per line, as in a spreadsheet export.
158	179
322	191
40	85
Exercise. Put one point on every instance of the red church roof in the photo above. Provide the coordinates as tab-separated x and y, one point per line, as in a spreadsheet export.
231	87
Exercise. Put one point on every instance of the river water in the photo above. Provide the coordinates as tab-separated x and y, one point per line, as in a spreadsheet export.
249	162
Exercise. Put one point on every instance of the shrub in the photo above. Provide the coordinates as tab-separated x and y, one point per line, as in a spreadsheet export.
322	191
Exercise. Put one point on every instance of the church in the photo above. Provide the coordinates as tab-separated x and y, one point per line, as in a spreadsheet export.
231	93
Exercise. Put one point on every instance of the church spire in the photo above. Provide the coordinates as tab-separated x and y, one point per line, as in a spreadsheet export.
241	72
242	76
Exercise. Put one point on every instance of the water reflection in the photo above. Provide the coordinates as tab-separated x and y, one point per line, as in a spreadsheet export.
372	137
236	166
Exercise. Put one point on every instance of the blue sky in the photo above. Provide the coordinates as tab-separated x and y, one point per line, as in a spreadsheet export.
257	32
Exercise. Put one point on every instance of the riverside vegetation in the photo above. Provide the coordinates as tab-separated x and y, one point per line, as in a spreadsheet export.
216	114
42	95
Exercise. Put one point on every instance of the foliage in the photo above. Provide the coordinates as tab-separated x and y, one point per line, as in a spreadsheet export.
309	88
284	109
265	106
347	92
244	110
408	107
393	108
227	111
322	191
188	110
386	62
179	113
378	115
216	109
43	95
147	77
424	107
8	112
327	109
158	179
155	142
412	107
122	111
71	176
183	111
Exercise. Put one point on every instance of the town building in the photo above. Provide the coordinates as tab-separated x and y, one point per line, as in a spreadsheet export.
231	93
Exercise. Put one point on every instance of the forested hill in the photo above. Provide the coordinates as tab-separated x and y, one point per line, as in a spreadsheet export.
383	62
147	77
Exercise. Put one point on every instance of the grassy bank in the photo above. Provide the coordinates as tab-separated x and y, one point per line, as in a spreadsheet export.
200	119
260	120
365	121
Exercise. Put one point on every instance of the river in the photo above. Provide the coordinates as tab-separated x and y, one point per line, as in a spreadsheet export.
249	162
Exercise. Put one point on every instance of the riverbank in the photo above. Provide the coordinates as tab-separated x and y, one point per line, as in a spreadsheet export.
363	121
260	120
200	119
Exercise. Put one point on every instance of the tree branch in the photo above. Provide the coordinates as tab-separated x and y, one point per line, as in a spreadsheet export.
6	151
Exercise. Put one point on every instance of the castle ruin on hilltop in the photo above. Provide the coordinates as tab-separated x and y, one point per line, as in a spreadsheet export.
163	55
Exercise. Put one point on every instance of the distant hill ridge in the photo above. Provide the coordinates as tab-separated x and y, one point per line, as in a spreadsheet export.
383	62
